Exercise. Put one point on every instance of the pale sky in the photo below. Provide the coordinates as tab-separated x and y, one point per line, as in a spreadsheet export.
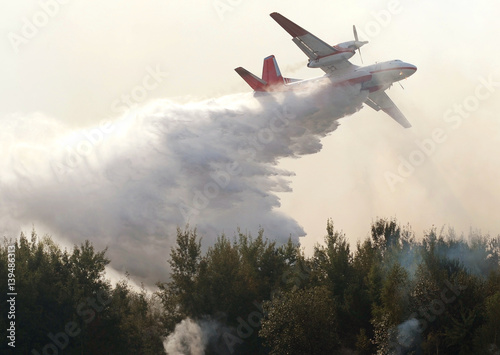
76	64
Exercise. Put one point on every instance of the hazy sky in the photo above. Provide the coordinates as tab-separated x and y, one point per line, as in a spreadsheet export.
75	65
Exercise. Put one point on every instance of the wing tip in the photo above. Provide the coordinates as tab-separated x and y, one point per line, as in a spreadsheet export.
292	28
379	100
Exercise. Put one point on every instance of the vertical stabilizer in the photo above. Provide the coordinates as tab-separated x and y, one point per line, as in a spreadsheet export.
271	72
272	80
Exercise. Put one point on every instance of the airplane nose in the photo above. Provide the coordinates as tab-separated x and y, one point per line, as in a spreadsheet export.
410	69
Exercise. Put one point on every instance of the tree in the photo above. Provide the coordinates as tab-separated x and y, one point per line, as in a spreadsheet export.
385	234
333	267
301	322
393	308
487	337
226	290
133	322
59	289
179	296
334	261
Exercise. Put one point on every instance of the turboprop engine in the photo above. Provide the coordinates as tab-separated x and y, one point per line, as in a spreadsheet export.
345	50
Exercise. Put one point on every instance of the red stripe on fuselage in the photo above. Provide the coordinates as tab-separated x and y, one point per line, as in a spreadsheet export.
357	80
389	69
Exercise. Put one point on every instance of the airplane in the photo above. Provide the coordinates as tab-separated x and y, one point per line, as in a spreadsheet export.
334	61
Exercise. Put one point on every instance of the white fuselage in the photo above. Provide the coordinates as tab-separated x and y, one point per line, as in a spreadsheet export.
379	76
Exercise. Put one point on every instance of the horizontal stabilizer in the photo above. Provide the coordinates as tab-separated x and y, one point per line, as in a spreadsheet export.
255	82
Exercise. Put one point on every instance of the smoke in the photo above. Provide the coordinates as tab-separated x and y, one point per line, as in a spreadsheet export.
128	183
407	334
477	255
194	337
189	338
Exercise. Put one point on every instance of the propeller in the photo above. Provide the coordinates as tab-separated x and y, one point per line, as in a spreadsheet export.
358	43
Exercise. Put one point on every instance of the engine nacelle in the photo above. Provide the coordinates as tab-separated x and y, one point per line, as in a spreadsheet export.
331	59
352	45
348	45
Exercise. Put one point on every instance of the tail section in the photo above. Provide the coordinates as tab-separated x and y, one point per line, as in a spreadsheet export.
272	80
271	72
254	82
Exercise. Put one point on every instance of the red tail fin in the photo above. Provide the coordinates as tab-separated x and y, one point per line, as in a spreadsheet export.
271	72
272	80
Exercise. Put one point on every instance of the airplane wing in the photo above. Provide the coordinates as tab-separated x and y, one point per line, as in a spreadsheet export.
311	45
379	100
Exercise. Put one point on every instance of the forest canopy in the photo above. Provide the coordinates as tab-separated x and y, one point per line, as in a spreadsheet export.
392	293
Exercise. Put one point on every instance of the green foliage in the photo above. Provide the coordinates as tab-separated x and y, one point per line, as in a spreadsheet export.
487	338
227	282
394	294
334	262
180	296
133	322
363	343
60	290
301	322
